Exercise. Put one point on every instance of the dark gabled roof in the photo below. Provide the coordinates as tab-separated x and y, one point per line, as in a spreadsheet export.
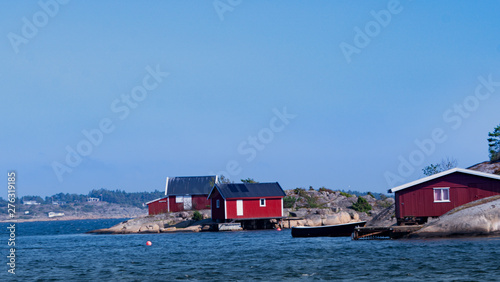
189	185
249	190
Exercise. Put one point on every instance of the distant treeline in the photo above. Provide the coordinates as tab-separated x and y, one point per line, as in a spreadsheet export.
135	199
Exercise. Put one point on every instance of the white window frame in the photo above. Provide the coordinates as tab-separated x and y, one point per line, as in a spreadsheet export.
262	202
217	203
442	192
179	199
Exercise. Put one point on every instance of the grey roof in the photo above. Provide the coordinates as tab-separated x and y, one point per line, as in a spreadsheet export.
189	185
250	190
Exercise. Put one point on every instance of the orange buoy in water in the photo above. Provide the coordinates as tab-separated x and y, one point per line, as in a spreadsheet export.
278	229
148	243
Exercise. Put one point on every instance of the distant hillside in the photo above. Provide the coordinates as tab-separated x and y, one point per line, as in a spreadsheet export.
98	203
135	199
488	167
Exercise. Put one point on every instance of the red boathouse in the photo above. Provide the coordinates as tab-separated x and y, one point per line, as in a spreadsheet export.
184	193
437	194
246	201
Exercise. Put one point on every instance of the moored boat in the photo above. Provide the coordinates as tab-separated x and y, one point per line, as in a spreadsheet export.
339	230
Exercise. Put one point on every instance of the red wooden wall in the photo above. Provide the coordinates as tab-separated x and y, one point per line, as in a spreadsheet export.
418	200
252	208
199	202
217	213
158	207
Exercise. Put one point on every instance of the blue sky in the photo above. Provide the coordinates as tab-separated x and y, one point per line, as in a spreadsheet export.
260	89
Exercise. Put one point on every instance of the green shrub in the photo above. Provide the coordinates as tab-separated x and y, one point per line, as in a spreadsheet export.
312	202
300	191
323	189
197	216
289	201
361	205
345	194
384	204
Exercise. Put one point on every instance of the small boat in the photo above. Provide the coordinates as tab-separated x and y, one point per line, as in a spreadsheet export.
339	230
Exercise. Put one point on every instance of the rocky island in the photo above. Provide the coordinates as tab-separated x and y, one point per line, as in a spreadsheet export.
305	208
478	218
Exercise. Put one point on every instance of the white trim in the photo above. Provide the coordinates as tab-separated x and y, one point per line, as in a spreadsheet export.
210	194
168	204
444	173
225	209
260	202
216	179
154	200
166	187
281	207
441	188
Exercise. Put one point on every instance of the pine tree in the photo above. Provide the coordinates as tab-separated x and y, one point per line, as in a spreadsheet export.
494	144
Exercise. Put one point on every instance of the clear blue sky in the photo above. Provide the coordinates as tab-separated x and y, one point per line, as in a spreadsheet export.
320	93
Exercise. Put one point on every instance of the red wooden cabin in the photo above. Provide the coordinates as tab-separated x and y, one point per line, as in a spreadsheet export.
184	193
437	194
246	201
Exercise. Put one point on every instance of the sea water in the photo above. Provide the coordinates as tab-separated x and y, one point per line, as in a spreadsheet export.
60	250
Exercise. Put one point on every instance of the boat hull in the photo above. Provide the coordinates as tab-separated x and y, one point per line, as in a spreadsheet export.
339	230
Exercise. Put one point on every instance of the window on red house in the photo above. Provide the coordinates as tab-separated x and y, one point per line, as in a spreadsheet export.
441	195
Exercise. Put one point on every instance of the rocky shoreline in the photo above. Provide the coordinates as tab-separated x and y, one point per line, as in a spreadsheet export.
478	218
183	222
331	207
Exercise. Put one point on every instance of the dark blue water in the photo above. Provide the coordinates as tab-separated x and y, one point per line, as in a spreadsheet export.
252	255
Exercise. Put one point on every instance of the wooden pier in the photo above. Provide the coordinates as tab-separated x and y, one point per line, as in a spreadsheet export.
390	232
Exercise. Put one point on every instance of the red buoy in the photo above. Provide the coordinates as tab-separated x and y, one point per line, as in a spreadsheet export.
278	229
148	243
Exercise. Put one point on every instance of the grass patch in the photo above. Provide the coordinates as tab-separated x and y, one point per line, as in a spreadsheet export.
345	194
